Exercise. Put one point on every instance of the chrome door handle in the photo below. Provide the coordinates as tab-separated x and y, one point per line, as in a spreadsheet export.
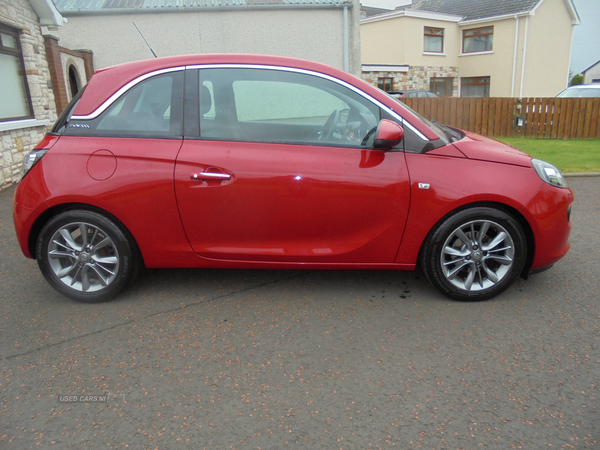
210	176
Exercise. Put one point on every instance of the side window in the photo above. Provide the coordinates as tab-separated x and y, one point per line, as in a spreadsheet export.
207	104
262	105
152	108
276	101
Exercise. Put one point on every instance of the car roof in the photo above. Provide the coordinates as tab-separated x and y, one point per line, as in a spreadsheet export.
578	87
108	81
585	86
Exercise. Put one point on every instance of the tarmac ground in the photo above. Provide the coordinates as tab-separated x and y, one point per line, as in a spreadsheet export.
247	359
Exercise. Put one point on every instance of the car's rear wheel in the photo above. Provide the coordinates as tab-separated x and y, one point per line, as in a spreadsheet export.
86	256
474	254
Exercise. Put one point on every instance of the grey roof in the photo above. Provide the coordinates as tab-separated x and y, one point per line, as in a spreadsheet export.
68	7
372	11
476	9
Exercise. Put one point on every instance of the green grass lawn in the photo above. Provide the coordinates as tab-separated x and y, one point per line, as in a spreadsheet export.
569	156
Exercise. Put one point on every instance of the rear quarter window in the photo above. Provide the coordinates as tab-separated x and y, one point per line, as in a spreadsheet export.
151	108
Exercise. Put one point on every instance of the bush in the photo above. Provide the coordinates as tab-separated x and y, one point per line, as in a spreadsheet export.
577	79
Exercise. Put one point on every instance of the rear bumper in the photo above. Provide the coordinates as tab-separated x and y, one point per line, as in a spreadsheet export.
28	205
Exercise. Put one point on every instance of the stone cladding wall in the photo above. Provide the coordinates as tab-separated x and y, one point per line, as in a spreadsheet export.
417	77
15	144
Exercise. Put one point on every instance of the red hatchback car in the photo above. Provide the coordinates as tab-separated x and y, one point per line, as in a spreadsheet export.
246	161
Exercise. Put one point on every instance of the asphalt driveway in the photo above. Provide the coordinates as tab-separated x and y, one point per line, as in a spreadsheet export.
286	359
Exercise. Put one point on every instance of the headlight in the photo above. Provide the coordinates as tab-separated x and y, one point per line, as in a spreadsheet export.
31	160
549	173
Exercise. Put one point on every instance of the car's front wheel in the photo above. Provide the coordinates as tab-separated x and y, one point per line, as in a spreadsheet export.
474	254
86	256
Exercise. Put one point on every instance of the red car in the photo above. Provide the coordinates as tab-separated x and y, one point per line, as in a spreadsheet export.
246	161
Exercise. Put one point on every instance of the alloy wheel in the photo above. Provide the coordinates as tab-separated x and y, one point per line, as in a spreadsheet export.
83	257
477	255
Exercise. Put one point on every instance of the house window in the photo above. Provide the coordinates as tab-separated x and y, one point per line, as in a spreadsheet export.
441	86
475	87
15	103
478	40
433	40
385	84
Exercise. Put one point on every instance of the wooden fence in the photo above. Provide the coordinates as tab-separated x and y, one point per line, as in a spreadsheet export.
544	118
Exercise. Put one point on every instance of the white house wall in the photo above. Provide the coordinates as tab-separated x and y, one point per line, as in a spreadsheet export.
498	64
315	34
548	54
593	73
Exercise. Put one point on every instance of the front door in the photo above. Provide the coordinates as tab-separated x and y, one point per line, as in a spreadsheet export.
282	171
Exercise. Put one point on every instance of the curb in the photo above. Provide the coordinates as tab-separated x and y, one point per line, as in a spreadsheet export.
582	174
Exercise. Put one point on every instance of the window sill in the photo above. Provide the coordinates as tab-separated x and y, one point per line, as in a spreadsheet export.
434	54
25	123
488	52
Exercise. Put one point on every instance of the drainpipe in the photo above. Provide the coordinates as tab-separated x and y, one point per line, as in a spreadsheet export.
524	56
515	56
570	55
346	39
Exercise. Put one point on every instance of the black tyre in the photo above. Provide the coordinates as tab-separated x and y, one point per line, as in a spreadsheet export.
474	254
86	256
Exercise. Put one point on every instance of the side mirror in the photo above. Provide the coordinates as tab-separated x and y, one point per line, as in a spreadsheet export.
388	134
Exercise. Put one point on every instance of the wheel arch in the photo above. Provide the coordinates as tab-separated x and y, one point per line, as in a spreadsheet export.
529	236
38	225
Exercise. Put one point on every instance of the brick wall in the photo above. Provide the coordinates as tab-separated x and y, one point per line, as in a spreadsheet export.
56	73
15	144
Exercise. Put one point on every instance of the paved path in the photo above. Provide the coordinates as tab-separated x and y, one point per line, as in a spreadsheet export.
318	360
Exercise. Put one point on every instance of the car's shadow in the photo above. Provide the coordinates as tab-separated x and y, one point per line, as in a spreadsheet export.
215	283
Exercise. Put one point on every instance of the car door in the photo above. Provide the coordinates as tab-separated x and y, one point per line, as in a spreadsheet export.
281	168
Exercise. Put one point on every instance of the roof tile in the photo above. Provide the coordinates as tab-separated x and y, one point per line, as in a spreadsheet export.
475	9
95	6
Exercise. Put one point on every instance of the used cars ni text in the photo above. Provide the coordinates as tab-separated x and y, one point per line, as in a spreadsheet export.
246	161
